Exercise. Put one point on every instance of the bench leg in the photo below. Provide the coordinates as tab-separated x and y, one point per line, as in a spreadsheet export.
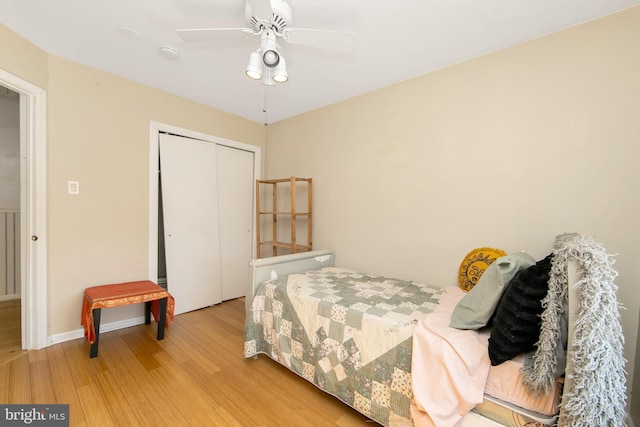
162	317
93	352
147	312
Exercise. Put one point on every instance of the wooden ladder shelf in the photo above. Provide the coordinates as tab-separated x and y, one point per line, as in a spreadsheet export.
277	213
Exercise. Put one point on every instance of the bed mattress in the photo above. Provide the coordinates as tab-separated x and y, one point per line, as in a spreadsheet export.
504	384
507	401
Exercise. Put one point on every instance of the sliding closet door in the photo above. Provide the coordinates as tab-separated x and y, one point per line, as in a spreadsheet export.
190	199
236	186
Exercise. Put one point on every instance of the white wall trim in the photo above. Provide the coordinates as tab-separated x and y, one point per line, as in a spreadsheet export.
104	328
33	192
155	128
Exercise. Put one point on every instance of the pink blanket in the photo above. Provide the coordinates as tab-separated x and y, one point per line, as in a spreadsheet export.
449	366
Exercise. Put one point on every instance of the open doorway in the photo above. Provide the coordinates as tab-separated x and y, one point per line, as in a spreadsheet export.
30	225
10	281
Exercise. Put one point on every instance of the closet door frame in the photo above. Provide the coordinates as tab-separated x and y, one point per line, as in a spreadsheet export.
155	129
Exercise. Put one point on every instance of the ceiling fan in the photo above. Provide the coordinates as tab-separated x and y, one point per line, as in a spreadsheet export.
270	20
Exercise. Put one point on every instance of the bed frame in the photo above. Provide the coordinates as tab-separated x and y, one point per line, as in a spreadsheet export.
271	268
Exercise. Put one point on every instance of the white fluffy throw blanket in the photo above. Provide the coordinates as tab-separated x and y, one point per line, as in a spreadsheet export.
597	393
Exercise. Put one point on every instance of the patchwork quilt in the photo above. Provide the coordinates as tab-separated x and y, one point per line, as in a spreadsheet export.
348	333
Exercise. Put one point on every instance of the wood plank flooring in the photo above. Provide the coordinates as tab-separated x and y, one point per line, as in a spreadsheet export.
10	337
196	376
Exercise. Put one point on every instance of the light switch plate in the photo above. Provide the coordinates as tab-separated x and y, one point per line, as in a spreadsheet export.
73	187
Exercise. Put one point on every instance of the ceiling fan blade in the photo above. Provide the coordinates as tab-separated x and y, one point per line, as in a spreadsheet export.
261	9
206	34
338	41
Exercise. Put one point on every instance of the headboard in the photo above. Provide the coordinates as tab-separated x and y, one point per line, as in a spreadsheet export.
274	267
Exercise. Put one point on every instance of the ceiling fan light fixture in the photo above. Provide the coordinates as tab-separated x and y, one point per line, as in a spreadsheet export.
271	58
270	20
254	69
269	47
280	72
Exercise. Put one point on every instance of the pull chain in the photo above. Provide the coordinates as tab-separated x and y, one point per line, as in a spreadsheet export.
264	106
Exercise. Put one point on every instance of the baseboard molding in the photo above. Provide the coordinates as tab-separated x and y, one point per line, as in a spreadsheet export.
104	327
9	297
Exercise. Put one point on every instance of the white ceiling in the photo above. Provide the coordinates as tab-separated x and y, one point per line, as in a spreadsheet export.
395	40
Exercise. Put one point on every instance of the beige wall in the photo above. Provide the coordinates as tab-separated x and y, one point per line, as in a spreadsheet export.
98	134
506	150
21	58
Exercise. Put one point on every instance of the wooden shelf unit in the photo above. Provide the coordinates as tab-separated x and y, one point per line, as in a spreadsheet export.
292	215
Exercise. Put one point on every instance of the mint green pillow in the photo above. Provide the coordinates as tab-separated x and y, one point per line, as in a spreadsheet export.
476	308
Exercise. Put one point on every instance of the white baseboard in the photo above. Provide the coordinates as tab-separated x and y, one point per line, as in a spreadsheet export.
104	327
9	297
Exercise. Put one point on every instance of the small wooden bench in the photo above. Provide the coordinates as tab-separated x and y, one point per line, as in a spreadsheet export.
157	301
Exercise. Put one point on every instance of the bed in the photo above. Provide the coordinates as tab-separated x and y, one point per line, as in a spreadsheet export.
356	336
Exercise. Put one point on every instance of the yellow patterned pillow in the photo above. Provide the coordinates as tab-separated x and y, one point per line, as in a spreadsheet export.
474	264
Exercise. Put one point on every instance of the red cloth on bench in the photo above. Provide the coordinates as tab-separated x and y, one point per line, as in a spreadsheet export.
115	295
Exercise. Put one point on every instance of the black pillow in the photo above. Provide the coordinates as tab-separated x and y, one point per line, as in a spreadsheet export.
516	324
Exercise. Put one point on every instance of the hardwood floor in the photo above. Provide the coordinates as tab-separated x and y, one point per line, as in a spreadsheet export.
10	336
196	376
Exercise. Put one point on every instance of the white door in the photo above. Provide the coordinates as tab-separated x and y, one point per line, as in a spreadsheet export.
190	206
235	208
